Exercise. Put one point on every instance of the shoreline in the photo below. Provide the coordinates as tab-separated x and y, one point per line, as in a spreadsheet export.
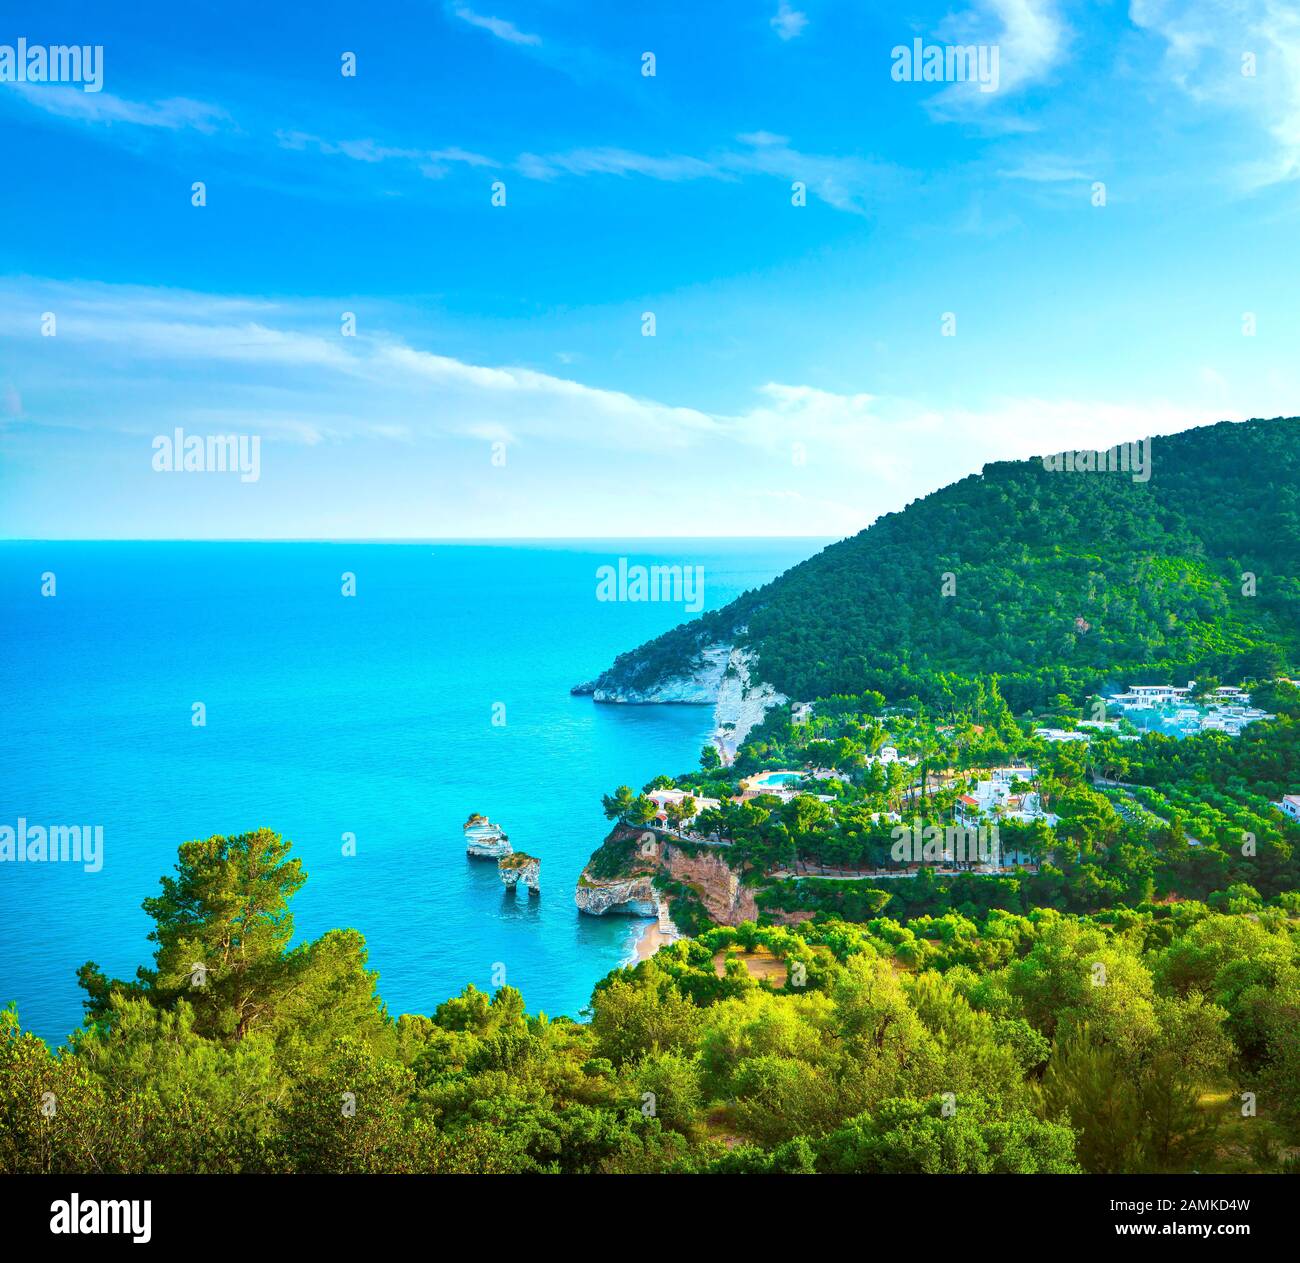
648	941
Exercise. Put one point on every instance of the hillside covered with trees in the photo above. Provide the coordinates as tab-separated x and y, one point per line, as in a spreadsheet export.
1055	581
1150	1039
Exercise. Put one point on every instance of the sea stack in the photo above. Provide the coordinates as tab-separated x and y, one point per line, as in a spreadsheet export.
485	840
518	867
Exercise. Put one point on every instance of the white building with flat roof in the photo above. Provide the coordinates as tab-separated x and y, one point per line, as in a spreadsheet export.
1145	695
662	797
1005	775
994	799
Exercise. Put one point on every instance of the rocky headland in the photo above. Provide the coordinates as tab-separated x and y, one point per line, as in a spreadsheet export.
518	867
621	877
485	840
722	675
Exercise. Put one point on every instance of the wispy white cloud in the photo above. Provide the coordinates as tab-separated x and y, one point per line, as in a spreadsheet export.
611	160
133	362
499	27
1045	169
762	138
431	163
1241	56
976	220
1031	38
788	22
172	114
128	327
846	182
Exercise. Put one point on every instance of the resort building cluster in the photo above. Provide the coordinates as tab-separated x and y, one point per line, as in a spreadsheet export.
1083	731
999	795
1226	709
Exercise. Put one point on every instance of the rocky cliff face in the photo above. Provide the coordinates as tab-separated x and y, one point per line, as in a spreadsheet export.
489	850
721	675
741	704
725	899
697	686
719	888
630	896
485	840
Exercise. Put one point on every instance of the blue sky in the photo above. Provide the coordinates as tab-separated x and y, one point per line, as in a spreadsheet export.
798	381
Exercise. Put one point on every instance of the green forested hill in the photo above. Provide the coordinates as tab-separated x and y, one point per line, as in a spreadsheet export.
1061	581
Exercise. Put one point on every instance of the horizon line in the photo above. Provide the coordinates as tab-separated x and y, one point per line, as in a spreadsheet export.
390	539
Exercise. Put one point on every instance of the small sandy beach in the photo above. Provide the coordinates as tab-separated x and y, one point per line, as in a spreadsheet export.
650	940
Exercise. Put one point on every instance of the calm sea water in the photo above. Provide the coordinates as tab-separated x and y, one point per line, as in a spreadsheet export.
329	715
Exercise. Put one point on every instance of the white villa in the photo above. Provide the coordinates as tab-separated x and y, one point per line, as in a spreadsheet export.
1148	695
993	798
889	754
1290	805
662	797
1005	775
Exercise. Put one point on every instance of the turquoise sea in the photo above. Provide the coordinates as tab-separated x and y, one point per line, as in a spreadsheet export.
327	715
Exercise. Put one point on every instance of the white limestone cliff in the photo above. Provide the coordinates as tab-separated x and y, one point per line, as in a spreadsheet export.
485	840
741	703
